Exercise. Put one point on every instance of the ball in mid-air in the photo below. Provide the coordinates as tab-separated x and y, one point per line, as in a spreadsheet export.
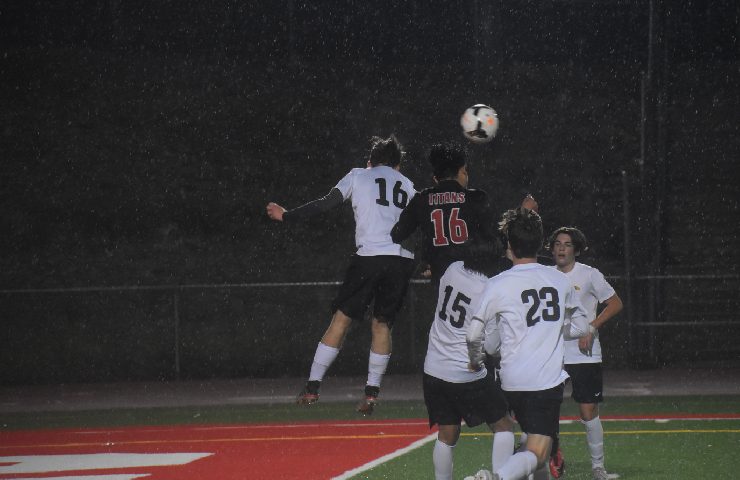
479	123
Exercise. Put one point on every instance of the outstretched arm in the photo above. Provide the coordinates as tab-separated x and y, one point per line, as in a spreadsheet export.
331	200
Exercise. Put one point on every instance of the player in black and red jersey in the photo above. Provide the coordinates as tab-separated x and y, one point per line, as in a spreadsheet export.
449	213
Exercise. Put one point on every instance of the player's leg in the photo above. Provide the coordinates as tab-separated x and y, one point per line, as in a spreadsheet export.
538	413
443	453
594	438
439	398
348	304
503	442
587	391
326	353
381	346
389	278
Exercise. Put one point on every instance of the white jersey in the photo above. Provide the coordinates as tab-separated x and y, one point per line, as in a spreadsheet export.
378	196
460	292
592	289
531	304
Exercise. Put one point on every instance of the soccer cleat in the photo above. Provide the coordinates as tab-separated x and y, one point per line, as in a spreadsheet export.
485	475
367	406
599	473
557	465
310	393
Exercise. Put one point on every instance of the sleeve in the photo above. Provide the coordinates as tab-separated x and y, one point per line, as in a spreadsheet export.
576	322
329	201
407	222
479	325
474	340
345	184
492	343
602	290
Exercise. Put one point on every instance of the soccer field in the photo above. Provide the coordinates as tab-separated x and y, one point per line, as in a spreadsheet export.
646	438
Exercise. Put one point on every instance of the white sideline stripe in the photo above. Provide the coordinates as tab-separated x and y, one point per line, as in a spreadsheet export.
385	458
20	464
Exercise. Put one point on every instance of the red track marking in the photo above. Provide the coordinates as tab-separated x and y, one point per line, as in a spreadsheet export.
306	451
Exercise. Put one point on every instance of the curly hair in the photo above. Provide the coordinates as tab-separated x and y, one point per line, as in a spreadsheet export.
522	228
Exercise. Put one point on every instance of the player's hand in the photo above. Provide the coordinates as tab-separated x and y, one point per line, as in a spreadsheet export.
426	273
473	367
530	203
586	344
275	211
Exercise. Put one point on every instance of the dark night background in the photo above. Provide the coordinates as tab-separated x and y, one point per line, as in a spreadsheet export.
141	141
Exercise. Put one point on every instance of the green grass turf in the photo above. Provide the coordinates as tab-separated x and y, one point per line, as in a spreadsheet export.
280	413
635	450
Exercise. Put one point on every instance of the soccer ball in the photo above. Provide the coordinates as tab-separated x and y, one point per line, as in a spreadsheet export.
479	123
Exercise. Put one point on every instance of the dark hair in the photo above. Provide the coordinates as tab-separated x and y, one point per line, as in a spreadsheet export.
523	230
481	256
386	151
576	237
447	159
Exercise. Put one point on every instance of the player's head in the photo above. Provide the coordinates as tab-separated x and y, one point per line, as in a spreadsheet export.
565	244
449	161
480	256
386	151
522	229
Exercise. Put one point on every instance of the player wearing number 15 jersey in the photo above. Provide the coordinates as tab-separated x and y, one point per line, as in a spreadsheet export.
533	307
453	392
379	271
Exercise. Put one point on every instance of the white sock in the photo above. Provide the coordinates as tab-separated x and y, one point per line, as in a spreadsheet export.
376	366
518	466
322	360
595	440
503	448
442	459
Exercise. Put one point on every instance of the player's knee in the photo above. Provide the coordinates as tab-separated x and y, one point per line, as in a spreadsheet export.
589	411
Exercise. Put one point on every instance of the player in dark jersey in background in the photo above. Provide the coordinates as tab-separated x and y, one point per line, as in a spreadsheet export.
449	213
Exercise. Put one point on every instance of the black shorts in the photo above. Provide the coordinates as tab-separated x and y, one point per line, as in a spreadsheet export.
538	412
587	382
475	402
383	279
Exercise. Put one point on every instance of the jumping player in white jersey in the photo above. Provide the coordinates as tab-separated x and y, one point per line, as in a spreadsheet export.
453	392
379	272
583	356
533	307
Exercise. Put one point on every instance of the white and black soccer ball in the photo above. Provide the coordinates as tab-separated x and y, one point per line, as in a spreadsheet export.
479	123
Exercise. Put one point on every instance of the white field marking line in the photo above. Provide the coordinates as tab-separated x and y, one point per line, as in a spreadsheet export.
385	458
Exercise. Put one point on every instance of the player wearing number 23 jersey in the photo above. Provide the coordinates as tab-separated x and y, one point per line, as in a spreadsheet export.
530	304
